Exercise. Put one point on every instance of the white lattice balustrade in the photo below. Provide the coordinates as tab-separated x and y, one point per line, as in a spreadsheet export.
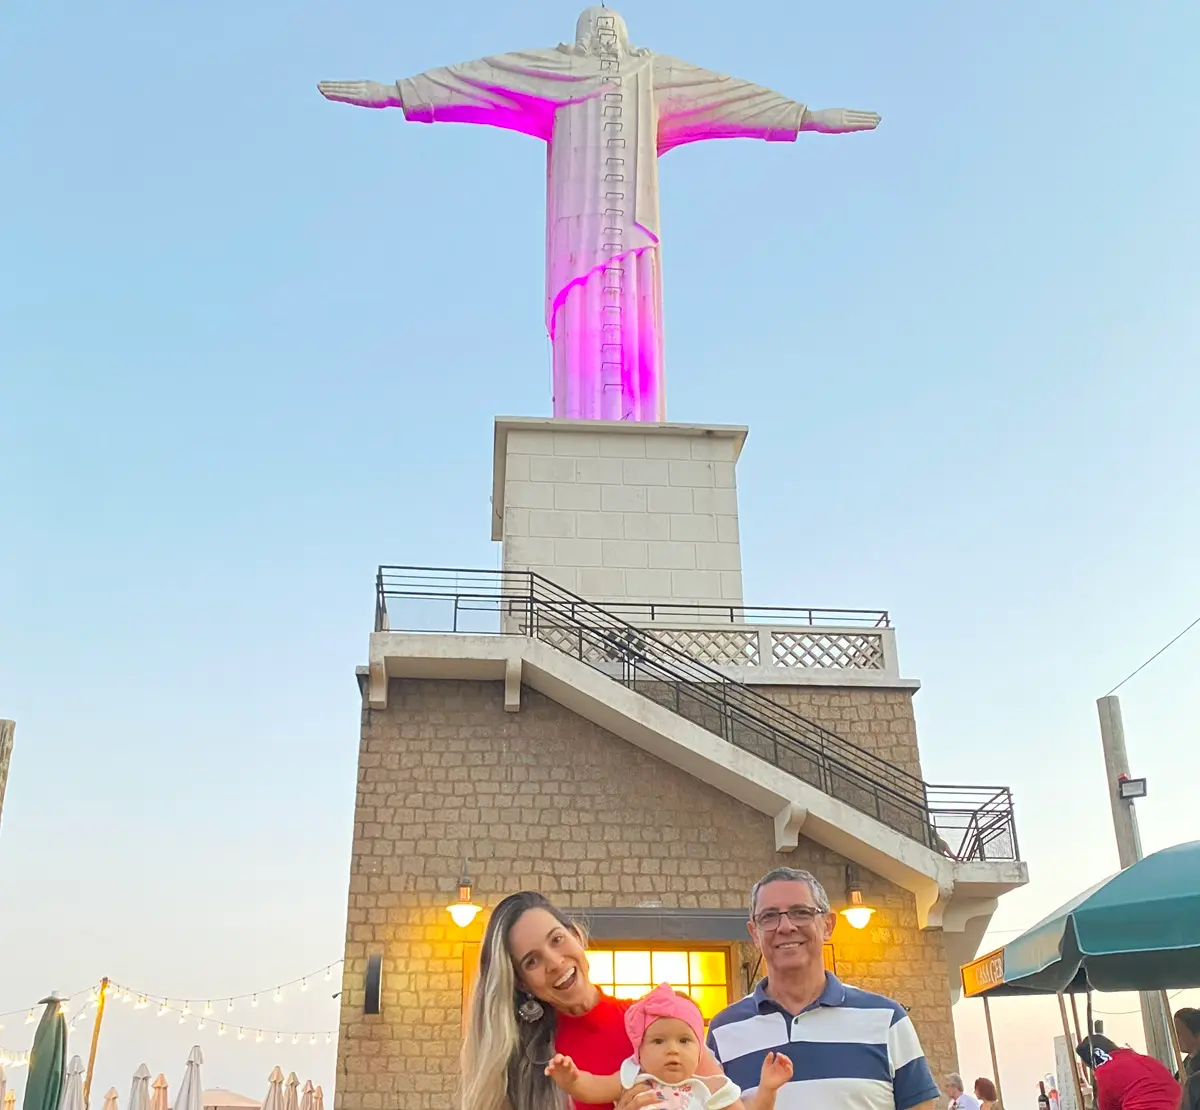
715	646
839	650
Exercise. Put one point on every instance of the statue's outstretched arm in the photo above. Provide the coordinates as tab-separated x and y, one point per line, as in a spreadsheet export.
838	121
366	94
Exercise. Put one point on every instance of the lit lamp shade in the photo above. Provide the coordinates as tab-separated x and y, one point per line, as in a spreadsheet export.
857	914
464	911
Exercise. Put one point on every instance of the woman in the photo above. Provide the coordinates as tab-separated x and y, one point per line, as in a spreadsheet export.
985	1091
533	998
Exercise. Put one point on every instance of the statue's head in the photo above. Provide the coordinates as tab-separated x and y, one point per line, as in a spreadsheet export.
601	30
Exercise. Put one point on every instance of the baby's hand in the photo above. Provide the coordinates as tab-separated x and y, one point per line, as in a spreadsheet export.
776	1071
564	1071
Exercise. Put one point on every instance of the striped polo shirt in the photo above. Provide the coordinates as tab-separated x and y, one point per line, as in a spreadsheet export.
850	1050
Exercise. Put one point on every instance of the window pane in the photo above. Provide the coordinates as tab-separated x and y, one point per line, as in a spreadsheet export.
631	967
708	967
711	1000
601	964
671	967
630	990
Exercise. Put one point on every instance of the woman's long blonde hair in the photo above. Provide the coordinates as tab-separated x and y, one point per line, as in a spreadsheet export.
504	1058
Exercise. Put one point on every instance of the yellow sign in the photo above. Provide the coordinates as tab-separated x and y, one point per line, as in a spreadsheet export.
982	974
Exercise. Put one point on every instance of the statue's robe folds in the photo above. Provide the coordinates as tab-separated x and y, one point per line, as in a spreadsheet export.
605	117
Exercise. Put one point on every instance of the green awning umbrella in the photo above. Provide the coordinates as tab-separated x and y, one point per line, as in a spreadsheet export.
1137	931
47	1060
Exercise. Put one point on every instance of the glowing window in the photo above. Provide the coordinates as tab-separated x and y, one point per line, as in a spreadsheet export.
632	972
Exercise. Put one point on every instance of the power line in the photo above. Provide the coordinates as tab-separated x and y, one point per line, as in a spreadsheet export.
1153	657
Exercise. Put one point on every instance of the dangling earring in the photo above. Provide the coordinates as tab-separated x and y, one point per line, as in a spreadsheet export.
530	1010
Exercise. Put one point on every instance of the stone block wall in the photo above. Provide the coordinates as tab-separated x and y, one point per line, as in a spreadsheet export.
544	799
624	512
879	720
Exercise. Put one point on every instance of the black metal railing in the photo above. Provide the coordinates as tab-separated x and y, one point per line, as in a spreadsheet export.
962	822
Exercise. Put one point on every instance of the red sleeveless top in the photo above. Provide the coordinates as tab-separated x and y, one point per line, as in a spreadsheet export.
597	1040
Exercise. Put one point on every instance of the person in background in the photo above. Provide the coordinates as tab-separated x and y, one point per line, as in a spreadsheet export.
985	1092
1127	1080
959	1099
849	1048
1187	1031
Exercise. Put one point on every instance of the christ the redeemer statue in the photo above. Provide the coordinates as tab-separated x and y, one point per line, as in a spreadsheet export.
606	110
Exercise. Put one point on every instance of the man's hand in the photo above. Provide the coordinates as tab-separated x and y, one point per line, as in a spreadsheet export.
839	121
366	94
638	1097
776	1071
564	1071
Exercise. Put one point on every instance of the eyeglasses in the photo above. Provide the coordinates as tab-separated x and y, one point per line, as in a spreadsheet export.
797	915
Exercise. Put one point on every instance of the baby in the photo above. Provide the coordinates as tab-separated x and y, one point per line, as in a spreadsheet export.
667	1030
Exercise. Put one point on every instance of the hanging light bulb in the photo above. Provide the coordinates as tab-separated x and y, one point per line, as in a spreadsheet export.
312	1039
141	1003
92	995
163	1009
329	1038
258	1036
229	1008
279	1038
126	996
304	983
279	994
295	1038
29	1018
221	1030
208	1008
241	1033
182	1018
254	1000
857	913
200	1024
464	911
329	973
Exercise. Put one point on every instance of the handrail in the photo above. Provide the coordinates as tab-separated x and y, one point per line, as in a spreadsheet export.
529	603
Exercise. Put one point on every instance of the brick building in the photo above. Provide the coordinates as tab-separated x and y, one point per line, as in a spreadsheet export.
604	721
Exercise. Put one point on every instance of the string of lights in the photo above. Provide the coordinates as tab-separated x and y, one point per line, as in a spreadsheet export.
205	1017
11	1058
75	1007
65	1006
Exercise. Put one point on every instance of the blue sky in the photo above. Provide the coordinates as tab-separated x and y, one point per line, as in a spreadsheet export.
252	343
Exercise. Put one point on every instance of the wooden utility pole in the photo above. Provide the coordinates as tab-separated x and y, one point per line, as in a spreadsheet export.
1156	1019
87	1083
7	731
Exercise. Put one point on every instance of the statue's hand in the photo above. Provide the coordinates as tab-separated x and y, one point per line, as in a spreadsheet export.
366	94
838	121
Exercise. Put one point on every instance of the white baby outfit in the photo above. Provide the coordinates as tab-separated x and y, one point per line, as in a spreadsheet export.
693	1094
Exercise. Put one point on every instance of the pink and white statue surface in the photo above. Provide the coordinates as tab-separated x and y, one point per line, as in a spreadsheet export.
606	111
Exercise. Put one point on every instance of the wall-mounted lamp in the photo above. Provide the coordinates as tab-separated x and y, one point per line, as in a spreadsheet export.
373	987
464	911
857	913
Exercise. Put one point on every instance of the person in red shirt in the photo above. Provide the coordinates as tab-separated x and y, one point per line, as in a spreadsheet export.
1127	1080
533	999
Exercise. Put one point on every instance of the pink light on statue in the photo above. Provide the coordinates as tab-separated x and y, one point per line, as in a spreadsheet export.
607	110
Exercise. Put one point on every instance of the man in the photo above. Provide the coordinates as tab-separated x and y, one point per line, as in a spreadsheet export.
959	1099
1127	1080
1187	1030
847	1047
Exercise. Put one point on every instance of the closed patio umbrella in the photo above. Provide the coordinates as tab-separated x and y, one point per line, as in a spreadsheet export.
158	1093
191	1092
110	1099
47	1060
274	1099
72	1096
139	1093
